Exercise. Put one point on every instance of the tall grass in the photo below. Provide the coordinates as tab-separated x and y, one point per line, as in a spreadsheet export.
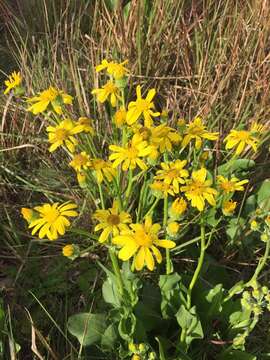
205	57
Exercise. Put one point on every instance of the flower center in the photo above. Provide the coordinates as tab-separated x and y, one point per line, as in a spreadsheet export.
227	186
197	187
243	135
195	130
110	88
132	152
80	160
61	134
145	132
49	94
142	105
113	219
143	239
52	215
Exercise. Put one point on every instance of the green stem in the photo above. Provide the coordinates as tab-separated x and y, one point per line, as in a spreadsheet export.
165	220
116	270
152	208
101	196
199	267
129	187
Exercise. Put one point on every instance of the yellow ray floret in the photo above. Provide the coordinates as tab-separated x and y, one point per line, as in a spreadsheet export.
51	97
141	242
86	124
130	155
111	221
103	170
232	185
198	190
196	131
178	208
228	207
14	80
108	91
142	107
63	135
52	220
118	71
241	140
80	161
173	173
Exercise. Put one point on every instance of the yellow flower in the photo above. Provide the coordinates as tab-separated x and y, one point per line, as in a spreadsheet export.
178	208
141	241
173	173
13	81
112	221
86	124
162	189
240	139
131	154
80	161
118	71
258	128
142	107
228	207
173	228
81	177
28	214
52	219
62	135
68	250
254	225
103	169
119	117
109	90
53	97
232	185
168	137
196	130
136	357
198	189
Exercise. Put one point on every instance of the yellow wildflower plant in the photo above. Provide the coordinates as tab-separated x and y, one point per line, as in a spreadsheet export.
240	140
120	117
131	154
80	161
111	221
52	98
142	107
162	189
14	81
178	208
196	131
173	173
198	190
232	185
86	125
103	170
63	135
108	91
118	71
141	242
173	228
228	207
168	137
52	220
68	250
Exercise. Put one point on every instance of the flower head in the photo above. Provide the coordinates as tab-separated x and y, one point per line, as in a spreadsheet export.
80	161
68	250
109	90
197	190
196	131
28	214
86	124
168	137
52	220
14	80
103	170
240	140
142	107
228	207
119	117
63	135
130	155
118	71
173	228
232	185
162	189
52	98
141	241
111	221
178	208
172	173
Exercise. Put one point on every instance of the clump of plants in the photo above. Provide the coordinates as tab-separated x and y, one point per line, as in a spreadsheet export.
158	185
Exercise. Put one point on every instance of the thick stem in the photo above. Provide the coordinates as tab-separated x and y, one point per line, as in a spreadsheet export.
199	267
117	271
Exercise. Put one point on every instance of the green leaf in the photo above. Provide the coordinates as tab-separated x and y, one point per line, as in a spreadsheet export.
127	326
210	217
235	166
161	350
190	322
110	293
214	297
87	328
236	354
109	337
240	319
263	197
235	227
